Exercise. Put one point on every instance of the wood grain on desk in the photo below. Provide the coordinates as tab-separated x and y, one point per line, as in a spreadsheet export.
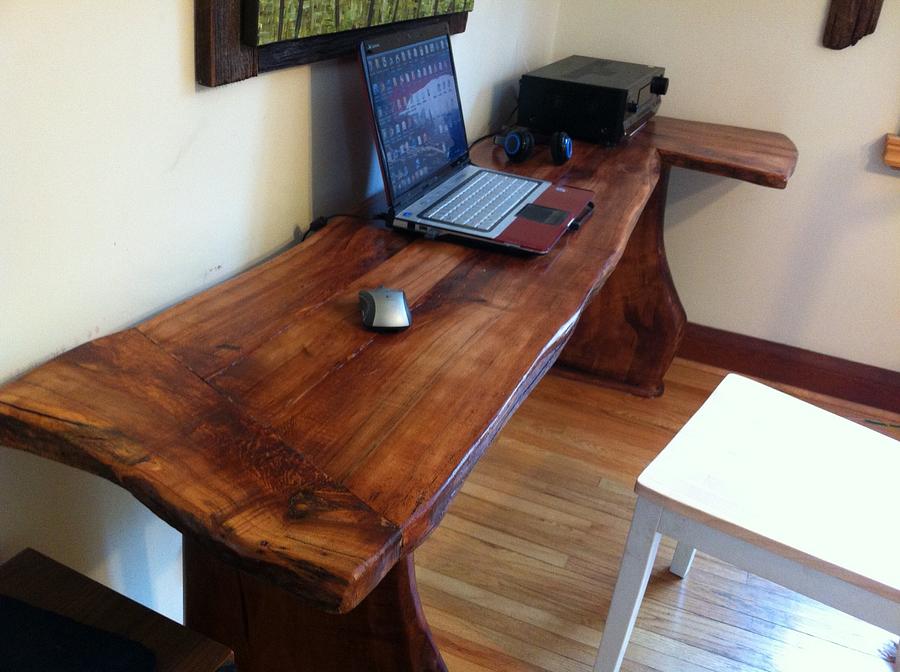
260	418
627	336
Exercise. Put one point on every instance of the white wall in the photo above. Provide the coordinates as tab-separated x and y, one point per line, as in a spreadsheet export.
818	265
125	187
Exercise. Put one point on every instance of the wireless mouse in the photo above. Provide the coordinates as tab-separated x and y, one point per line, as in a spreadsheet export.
384	309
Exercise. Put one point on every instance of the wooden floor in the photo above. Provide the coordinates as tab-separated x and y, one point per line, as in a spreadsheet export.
519	575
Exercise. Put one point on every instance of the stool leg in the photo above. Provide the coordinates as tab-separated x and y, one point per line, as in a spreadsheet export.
634	572
681	561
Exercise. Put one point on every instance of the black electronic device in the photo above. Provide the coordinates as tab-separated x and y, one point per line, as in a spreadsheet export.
591	98
518	144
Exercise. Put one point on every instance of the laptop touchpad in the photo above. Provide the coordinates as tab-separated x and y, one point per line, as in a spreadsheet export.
543	215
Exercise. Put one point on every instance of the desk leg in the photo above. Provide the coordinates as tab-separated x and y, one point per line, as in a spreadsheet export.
627	336
270	629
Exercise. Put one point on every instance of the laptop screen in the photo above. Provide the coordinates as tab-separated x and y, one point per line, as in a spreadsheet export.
417	112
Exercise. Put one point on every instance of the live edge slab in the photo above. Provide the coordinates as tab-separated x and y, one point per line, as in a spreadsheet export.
305	458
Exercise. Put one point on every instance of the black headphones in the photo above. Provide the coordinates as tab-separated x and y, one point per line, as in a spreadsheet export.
518	143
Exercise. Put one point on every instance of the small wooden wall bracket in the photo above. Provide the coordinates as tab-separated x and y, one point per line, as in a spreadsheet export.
892	151
849	21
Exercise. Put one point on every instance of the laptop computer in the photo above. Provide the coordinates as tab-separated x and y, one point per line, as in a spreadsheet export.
431	185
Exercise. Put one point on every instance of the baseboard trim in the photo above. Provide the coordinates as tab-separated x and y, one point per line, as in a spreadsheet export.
788	365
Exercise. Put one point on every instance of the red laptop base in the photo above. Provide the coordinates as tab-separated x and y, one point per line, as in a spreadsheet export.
540	237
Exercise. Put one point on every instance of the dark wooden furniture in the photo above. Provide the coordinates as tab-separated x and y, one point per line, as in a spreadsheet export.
43	583
305	458
628	335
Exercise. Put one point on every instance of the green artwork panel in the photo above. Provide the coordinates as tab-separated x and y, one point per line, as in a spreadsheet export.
289	19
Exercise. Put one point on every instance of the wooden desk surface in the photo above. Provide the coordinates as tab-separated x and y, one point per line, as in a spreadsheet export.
262	419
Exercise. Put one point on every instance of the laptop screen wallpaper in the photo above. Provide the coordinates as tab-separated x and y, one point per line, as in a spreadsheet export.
417	111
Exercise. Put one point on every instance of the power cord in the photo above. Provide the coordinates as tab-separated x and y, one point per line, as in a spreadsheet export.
320	223
489	135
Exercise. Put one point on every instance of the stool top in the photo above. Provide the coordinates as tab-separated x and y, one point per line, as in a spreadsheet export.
784	475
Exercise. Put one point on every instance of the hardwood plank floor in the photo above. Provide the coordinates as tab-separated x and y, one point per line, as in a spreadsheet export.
519	575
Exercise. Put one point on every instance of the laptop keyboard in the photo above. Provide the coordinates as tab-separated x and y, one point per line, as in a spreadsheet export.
482	201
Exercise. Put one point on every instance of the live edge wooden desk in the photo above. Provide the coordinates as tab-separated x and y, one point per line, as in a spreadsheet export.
305	458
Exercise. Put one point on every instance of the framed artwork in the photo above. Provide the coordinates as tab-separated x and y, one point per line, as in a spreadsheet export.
279	20
238	39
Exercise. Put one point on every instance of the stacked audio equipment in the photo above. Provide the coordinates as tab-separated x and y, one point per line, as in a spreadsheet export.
591	98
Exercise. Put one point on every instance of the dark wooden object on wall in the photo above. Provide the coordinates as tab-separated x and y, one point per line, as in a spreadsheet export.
849	21
222	58
289	443
41	582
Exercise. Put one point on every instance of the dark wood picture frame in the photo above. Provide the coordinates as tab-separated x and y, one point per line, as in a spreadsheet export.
222	58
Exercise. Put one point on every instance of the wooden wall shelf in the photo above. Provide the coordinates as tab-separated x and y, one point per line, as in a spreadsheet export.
222	58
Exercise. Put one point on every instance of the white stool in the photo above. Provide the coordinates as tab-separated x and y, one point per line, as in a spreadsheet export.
777	487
